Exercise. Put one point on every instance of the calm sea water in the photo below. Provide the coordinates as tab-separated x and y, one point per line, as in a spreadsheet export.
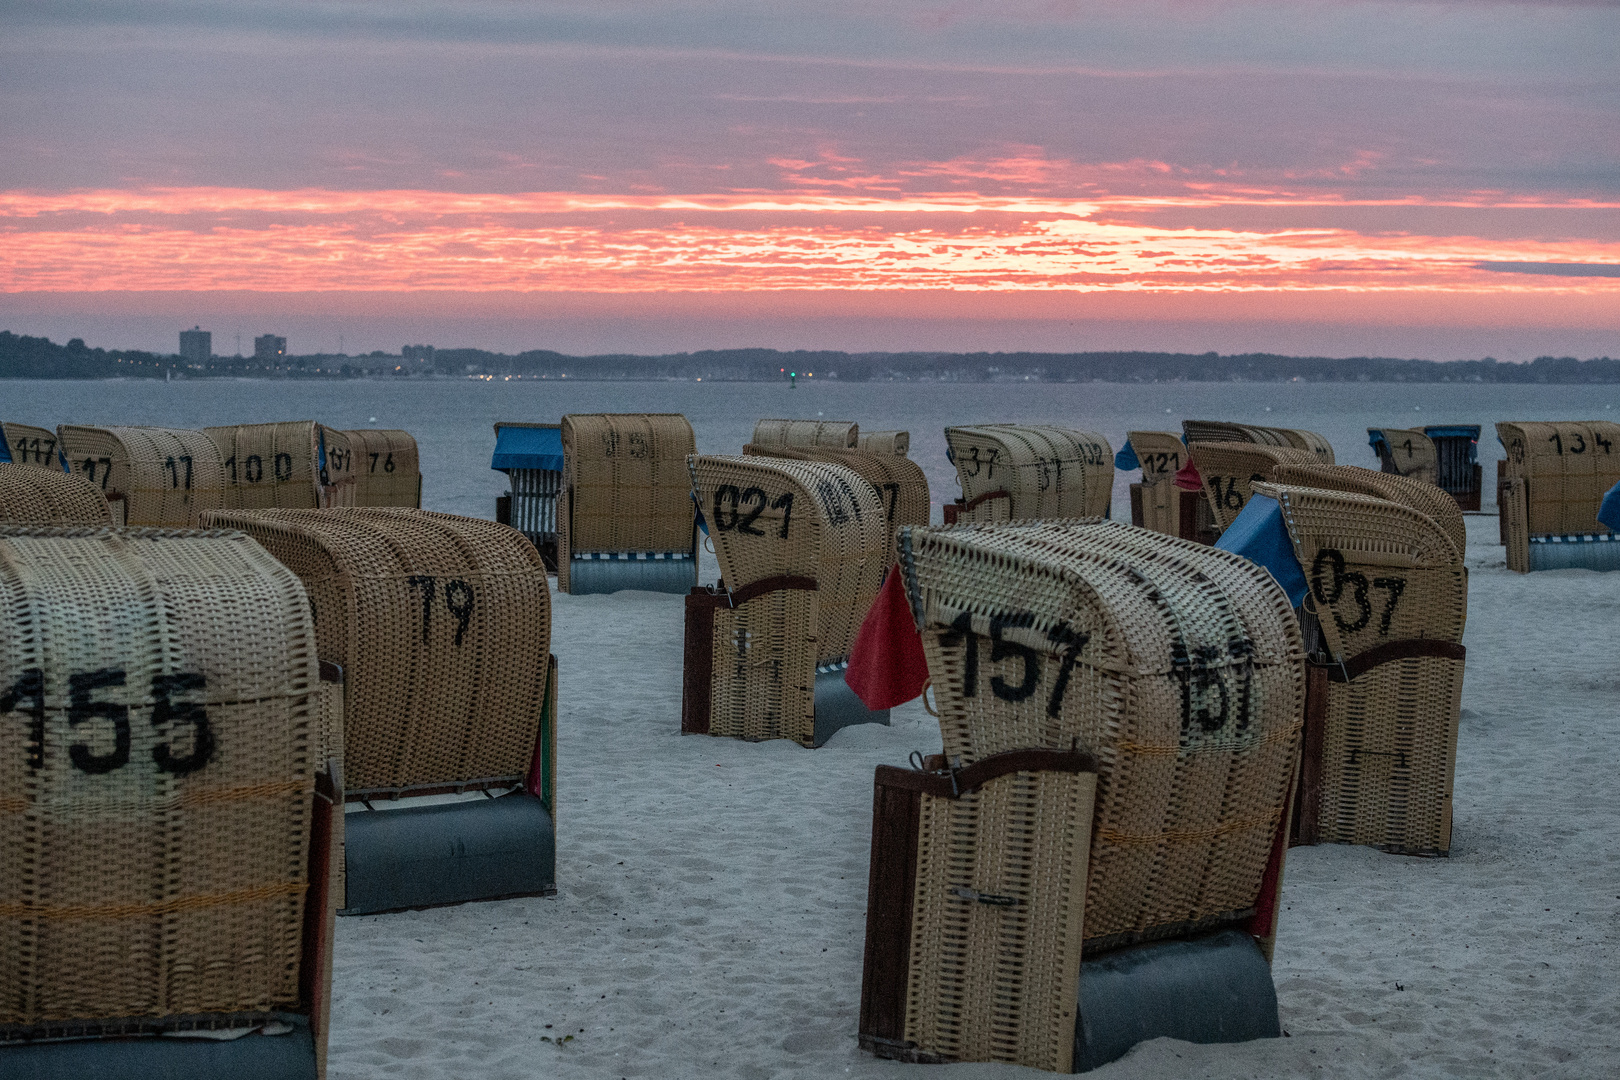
453	420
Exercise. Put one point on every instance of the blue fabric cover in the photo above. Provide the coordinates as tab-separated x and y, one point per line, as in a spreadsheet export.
5	449
1375	437
1470	431
528	448
1609	512
1260	535
1126	458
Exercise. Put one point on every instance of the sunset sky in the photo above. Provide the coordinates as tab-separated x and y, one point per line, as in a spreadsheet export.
1409	179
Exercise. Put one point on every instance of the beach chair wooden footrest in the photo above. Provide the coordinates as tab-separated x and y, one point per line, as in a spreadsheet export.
837	707
1211	989
255	1056
610	572
451	853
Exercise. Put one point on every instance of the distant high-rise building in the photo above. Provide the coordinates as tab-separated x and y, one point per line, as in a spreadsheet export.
423	353
196	345
269	347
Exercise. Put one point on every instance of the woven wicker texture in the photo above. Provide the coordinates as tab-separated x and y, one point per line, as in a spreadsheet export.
157	763
1300	439
763	681
167	477
1003	975
1230	469
771	517
845	434
1423	497
1567	468
441	624
625	485
29	445
386	467
1178	666
901	486
1162	455
885	442
1221	431
1047	472
1380	573
270	465
339	481
30	496
1409	452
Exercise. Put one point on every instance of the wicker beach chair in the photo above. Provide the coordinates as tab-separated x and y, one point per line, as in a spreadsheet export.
1422	497
386	467
167	809
1556	477
1388	596
442	627
1446	455
900	484
626	518
531	456
802	547
1102	840
1221	431
844	434
286	465
885	442
23	444
1156	501
165	477
30	496
1019	472
1229	471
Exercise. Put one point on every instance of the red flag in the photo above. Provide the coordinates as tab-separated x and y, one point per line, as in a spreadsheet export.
1188	479
887	666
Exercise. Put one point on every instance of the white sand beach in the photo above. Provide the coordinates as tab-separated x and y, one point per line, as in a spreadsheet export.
710	913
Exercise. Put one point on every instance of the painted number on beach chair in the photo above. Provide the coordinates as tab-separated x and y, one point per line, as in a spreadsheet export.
27	695
746	506
1161	462
1227	497
43	451
1330	594
1215	693
458	600
175	465
974	463
388	462
1068	641
89	467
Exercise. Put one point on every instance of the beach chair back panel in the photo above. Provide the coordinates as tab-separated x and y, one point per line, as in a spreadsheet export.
1161	455
627	482
1300	439
167	477
28	445
338	476
771	517
1215	431
842	434
1567	468
899	482
31	496
1024	472
156	775
885	442
1231	469
1406	452
1179	667
1423	497
270	465
386	467
442	626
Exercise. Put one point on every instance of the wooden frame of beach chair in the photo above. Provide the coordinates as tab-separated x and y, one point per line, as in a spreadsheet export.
1021	472
1556	477
286	465
442	627
802	547
1389	593
900	483
530	504
1051	913
31	496
386	466
1156	501
625	519
166	477
1408	491
166	805
842	434
24	444
884	442
1229	471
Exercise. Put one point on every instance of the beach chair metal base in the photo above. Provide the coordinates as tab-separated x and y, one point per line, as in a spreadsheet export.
1586	551
431	856
290	1056
625	571
1211	989
837	707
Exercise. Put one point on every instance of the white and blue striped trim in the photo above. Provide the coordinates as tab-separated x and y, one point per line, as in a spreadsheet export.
1576	538
630	556
832	665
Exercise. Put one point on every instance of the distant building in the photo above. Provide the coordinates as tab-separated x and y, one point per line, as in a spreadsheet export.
269	347
196	345
424	353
